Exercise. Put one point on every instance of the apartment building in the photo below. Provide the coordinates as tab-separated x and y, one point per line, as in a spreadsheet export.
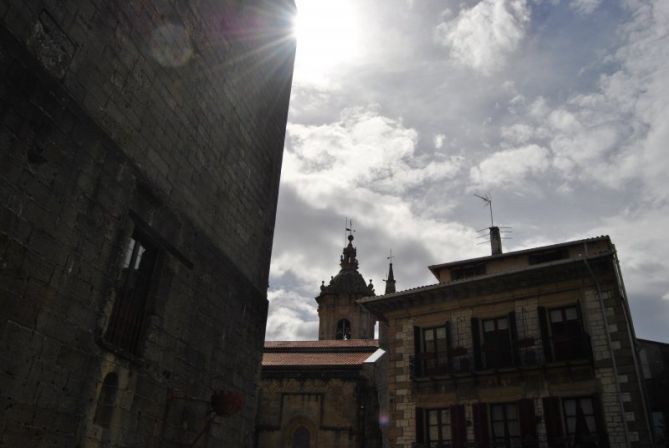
524	349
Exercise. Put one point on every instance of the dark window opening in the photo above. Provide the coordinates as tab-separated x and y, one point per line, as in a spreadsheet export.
505	425
434	353
579	417
128	316
548	256
466	271
497	348
437	430
106	400
568	341
343	329
301	438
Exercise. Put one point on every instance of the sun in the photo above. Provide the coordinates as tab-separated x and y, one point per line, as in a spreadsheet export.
327	33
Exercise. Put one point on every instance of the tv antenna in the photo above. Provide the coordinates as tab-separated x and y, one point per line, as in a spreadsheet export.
487	198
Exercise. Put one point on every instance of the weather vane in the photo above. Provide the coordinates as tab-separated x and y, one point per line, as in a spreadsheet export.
349	229
390	257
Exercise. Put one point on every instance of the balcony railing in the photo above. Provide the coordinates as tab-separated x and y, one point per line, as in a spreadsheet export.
527	353
572	441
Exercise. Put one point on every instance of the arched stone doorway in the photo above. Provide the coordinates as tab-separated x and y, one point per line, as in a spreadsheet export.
300	433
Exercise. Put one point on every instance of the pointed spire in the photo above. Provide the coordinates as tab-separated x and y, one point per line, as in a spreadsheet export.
390	281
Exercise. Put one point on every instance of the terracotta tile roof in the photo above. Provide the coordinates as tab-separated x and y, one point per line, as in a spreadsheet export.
314	359
352	352
370	344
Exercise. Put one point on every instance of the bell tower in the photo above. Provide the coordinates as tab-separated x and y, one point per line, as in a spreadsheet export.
340	317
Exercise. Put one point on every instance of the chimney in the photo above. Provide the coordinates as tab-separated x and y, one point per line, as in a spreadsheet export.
495	241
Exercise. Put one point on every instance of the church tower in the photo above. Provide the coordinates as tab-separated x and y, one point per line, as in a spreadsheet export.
340	317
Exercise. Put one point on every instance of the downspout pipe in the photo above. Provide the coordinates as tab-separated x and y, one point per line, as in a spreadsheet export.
633	344
608	342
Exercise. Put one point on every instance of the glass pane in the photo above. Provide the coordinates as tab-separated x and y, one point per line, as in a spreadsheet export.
571	425
434	433
514	429
571	314
488	325
586	406
556	315
128	252
498	429
570	407
592	426
433	418
502	324
429	335
511	412
497	412
441	333
445	417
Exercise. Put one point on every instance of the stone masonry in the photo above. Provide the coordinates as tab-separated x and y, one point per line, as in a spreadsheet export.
167	116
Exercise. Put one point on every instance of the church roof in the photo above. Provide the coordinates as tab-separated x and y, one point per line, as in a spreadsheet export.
352	352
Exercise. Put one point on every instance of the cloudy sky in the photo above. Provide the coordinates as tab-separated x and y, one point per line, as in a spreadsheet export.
403	109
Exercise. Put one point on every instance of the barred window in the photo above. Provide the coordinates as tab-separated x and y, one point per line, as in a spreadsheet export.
128	316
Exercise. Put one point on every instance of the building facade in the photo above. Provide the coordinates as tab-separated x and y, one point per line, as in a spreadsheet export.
327	393
530	348
140	154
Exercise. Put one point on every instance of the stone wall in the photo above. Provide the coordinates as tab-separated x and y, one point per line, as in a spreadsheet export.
169	116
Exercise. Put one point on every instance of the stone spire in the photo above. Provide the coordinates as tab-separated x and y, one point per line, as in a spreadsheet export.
390	281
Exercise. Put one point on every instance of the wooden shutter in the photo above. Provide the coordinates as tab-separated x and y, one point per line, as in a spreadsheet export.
458	426
528	423
476	342
417	361
420	425
553	421
481	435
513	335
599	420
545	337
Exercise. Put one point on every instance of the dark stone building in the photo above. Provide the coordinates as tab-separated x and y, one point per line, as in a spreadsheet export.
654	358
140	153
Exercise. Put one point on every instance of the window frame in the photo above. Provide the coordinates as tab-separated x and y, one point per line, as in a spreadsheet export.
485	346
119	336
444	420
507	438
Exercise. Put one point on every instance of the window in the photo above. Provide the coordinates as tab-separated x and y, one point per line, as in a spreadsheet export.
432	350
579	416
438	427
566	333
505	425
343	329
468	270
128	316
497	343
574	421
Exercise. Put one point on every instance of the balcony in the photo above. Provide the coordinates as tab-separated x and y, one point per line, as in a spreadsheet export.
524	354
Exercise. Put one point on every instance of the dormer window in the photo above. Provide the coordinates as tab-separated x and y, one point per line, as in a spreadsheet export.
343	329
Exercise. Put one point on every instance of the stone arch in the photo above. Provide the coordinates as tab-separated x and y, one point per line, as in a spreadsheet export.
300	432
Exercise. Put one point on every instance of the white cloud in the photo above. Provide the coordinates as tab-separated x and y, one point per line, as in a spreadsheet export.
291	316
510	167
439	140
584	6
482	37
363	148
